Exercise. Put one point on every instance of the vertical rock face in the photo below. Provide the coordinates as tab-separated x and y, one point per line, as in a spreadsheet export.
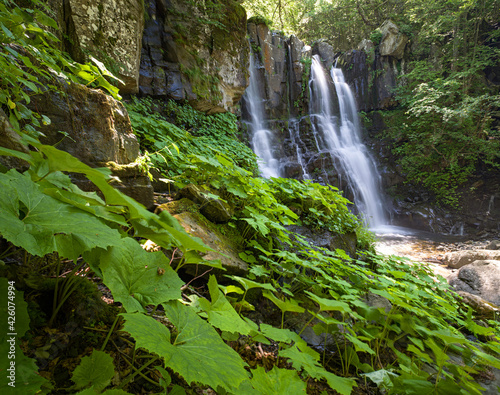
195	54
110	30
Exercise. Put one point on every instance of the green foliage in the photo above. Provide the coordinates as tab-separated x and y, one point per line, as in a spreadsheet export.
197	133
31	63
259	19
444	131
277	381
94	371
197	352
376	36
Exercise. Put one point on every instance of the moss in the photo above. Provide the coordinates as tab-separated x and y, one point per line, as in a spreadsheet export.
259	19
179	206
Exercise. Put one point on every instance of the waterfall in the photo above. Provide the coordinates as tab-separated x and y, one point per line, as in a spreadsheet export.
340	136
261	138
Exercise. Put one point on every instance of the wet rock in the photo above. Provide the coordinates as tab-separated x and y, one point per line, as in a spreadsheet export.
11	140
481	278
226	249
393	41
458	259
325	52
482	307
97	126
216	210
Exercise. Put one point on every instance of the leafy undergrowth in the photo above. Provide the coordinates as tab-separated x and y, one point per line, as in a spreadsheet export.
381	324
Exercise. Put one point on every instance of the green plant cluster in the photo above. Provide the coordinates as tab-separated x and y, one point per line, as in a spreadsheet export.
376	36
31	63
168	145
182	337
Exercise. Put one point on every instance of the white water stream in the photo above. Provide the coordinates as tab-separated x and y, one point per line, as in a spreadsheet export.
340	136
261	139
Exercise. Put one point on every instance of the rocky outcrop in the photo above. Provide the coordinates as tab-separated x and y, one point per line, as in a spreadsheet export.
109	30
215	210
458	259
195	54
88	124
223	248
96	129
481	278
393	42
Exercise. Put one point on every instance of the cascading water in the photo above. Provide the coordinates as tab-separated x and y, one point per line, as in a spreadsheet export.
261	137
340	136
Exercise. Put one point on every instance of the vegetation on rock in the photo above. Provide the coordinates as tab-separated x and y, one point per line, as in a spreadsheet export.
166	334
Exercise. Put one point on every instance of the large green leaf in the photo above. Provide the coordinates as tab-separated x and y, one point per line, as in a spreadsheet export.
305	361
286	304
220	312
138	278
41	224
95	370
277	381
198	353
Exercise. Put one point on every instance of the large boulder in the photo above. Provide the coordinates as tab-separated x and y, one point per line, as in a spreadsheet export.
196	54
481	278
393	42
458	259
110	30
88	124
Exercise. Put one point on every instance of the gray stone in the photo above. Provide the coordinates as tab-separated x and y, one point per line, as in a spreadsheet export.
325	52
494	245
205	64
393	42
326	239
457	259
481	278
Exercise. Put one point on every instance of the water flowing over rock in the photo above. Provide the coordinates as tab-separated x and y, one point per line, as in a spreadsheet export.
184	59
262	139
339	136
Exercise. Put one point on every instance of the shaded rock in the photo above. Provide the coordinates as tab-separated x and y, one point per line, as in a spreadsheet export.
111	30
393	41
483	308
186	59
11	140
215	210
378	302
226	249
326	239
97	126
481	278
457	259
494	245
133	181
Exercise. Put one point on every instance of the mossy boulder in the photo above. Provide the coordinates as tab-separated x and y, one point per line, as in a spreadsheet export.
226	243
215	210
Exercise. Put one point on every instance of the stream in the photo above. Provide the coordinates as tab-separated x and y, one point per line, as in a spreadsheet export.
422	246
